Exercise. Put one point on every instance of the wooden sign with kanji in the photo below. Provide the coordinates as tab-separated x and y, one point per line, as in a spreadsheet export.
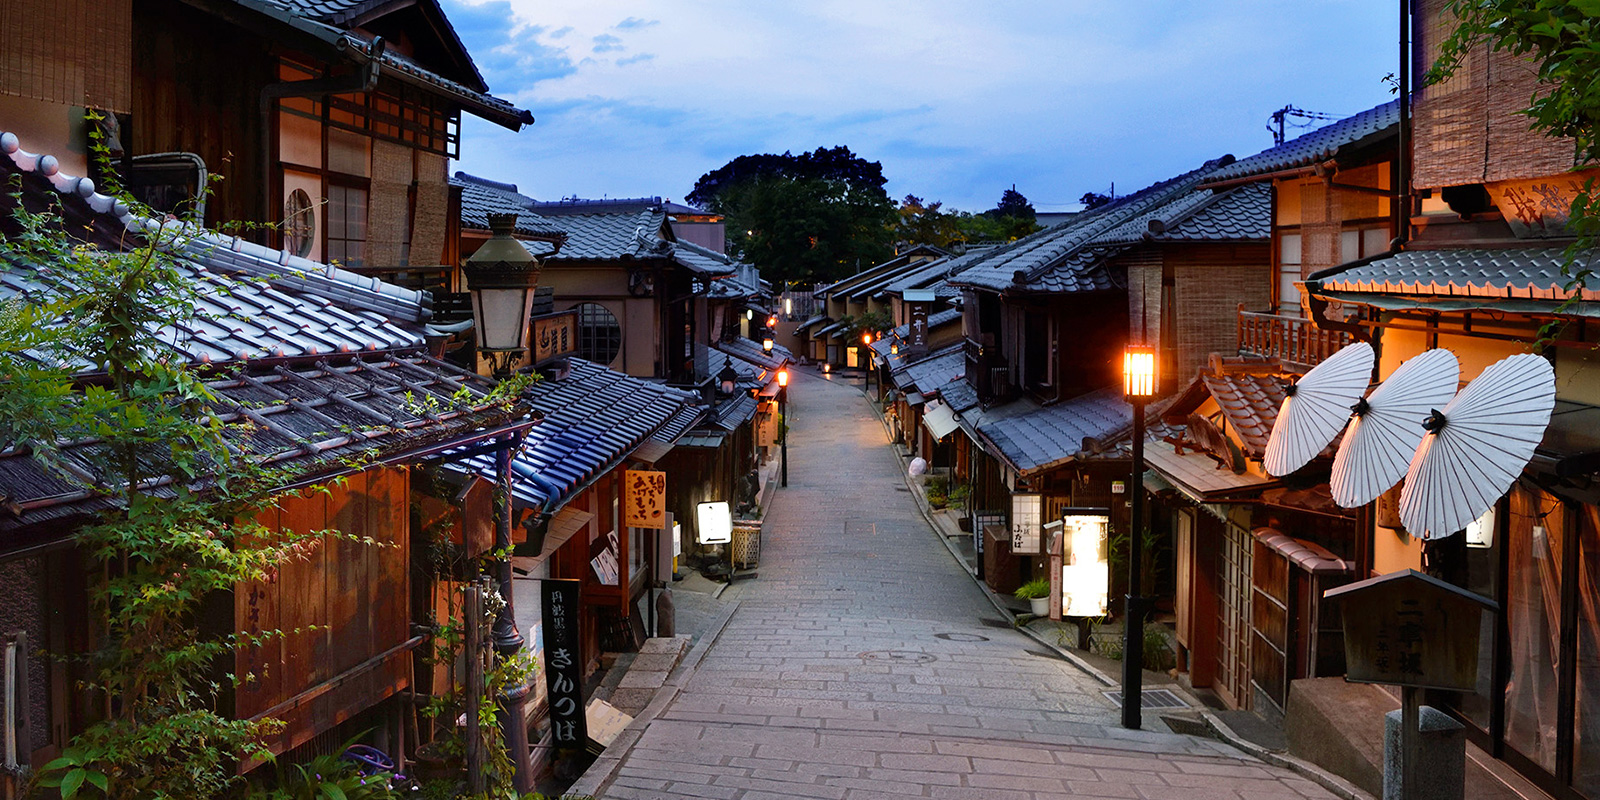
644	499
1411	629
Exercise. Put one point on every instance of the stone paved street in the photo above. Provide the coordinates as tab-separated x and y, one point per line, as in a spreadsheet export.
859	665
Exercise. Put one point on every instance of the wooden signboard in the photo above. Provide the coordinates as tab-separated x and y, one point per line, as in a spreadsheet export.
644	499
1410	629
1027	519
554	335
562	668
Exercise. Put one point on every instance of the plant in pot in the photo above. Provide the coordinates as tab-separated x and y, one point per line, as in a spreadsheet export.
1037	593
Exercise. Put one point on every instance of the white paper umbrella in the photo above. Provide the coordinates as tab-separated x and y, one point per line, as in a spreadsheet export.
1316	408
1384	433
1477	445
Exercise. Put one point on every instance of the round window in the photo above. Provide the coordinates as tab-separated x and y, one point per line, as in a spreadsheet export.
599	335
299	223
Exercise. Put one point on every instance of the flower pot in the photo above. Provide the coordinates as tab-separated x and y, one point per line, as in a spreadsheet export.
1041	606
430	764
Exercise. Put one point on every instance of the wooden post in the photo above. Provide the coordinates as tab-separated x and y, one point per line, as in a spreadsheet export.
1410	740
473	617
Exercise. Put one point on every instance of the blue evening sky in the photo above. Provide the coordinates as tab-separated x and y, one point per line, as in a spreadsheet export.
958	100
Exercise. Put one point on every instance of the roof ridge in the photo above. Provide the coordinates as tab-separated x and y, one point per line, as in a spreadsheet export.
467	177
200	244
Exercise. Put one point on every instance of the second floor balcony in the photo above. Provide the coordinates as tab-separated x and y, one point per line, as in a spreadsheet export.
1297	343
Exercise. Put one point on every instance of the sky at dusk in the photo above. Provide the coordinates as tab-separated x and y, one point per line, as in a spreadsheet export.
958	100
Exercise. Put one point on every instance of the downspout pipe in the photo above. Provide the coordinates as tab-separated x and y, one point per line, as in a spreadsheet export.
1402	187
362	81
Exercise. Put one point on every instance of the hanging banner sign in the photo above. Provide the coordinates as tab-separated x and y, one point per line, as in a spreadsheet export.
1027	520
644	499
563	676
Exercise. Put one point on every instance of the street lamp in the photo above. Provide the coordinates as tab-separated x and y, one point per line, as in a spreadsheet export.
783	416
501	277
726	378
1138	386
766	341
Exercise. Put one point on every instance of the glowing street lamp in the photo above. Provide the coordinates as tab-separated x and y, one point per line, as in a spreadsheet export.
1138	386
783	432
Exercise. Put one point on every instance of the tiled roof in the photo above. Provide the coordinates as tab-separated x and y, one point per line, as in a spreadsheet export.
1250	403
885	344
1240	213
876	272
1529	273
594	418
934	272
735	411
959	394
307	16
705	261
266	304
1069	257
609	237
481	197
1041	439
616	205
936	370
750	350
1319	145
311	418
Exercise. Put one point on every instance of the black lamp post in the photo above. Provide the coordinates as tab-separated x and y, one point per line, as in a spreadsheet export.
502	276
1138	385
783	432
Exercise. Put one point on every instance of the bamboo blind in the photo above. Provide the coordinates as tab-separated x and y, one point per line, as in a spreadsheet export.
73	52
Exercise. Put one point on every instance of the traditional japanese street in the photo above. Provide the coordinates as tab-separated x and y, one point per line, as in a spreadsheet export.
864	662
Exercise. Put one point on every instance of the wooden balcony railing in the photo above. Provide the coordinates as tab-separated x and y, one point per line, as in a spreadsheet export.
1295	342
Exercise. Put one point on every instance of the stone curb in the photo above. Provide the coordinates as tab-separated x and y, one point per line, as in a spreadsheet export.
600	774
1221	731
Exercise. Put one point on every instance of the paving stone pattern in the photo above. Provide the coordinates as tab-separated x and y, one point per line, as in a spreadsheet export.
830	680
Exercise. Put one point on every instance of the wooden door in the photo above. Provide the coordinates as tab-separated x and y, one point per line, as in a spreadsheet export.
1233	616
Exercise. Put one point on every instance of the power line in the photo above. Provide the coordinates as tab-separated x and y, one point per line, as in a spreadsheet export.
1276	125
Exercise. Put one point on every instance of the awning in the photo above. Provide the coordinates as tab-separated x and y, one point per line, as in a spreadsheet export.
939	420
560	528
702	439
915	398
808	323
771	389
1308	556
1198	477
651	451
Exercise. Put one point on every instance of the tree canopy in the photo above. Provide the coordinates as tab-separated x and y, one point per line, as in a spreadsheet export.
814	217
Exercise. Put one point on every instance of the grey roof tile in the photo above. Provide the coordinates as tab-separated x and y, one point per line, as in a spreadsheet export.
1069	258
937	369
1517	273
481	197
1319	145
594	418
1040	439
1239	213
266	303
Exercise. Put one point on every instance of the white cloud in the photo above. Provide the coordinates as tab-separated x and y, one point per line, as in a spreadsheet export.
959	100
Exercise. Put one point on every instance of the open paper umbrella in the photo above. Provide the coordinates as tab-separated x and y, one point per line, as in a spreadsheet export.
1316	408
1384	434
1477	445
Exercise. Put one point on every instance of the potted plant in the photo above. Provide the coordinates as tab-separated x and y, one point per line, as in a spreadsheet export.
1037	593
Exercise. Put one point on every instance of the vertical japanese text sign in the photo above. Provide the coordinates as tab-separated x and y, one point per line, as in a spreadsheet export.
563	676
644	497
1410	629
1027	519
